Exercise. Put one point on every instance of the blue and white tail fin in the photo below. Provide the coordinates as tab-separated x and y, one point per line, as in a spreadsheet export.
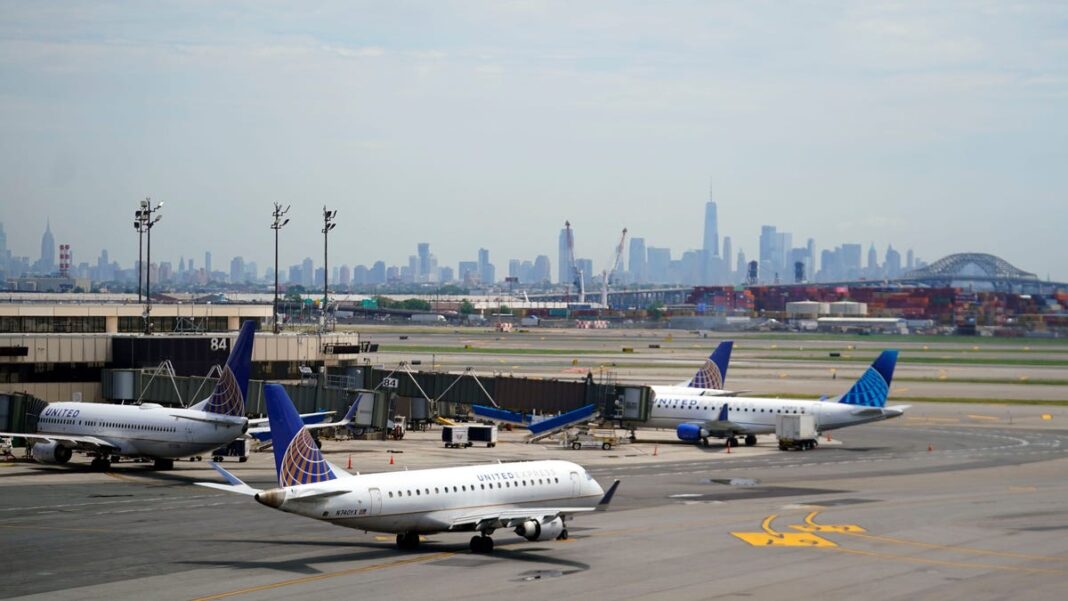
230	393
713	373
872	389
297	458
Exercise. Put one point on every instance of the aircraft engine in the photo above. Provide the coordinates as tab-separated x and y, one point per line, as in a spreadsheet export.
691	432
51	452
534	530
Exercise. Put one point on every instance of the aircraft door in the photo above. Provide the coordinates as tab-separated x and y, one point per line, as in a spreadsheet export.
574	484
376	501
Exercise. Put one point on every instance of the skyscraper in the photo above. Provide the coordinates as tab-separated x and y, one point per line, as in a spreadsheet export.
636	261
711	246
485	268
423	271
47	264
727	258
542	270
562	268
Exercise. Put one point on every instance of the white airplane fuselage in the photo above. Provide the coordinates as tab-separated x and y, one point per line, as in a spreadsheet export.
428	501
757	415
147	430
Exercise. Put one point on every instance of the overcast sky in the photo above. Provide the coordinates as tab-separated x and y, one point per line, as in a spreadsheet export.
940	126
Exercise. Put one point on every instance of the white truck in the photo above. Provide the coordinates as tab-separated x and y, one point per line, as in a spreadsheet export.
796	432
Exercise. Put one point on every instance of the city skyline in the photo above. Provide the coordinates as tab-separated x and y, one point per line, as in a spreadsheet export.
935	128
778	261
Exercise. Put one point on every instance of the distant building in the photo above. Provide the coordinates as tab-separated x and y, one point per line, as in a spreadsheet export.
711	245
485	268
636	261
562	267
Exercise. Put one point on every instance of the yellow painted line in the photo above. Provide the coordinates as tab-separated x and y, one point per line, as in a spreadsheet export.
318	577
21	527
121	477
986	417
952	564
770	537
948	420
811	526
957	549
1047	417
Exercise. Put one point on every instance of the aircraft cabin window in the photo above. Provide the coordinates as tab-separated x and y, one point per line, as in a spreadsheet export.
391	494
463	488
483	486
409	493
427	490
435	490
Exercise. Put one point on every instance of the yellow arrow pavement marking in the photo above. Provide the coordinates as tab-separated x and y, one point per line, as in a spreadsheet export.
770	537
811	526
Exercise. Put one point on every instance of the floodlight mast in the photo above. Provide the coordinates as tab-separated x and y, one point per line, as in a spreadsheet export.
278	224
328	224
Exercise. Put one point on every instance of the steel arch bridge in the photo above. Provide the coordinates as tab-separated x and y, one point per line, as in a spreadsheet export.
973	268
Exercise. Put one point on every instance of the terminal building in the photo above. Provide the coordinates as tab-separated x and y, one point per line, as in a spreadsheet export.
86	351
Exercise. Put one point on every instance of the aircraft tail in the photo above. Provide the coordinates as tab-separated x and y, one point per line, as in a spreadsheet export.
872	389
297	458
230	393
713	373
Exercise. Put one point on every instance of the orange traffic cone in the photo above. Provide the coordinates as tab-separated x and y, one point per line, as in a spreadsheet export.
350	462
930	448
828	438
391	459
728	446
656	449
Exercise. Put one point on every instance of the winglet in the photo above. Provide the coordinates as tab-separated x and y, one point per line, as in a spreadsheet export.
722	417
234	484
232	479
602	505
351	415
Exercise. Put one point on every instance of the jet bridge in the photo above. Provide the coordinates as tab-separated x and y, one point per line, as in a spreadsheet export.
564	421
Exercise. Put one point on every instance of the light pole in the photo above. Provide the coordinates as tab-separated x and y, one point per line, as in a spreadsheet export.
139	225
277	225
328	224
148	221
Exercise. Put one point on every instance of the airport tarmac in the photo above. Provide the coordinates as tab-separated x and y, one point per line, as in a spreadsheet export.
765	364
951	501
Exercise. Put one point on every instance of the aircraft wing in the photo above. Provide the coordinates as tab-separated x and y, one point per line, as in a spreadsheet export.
511	518
307	418
81	442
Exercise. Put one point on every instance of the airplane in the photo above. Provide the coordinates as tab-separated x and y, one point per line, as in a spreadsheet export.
263	433
149	429
697	418
535	498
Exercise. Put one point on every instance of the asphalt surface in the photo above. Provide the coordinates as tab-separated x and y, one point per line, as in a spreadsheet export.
949	502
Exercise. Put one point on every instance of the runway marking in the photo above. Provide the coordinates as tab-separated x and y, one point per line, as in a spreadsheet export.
986	417
958	549
122	477
953	564
770	537
318	577
811	526
57	528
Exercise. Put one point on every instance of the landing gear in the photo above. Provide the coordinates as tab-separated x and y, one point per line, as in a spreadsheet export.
704	441
481	544
164	464
563	535
407	541
750	440
100	464
732	442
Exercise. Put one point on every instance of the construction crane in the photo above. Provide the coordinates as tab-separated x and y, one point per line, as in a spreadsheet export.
576	273
617	266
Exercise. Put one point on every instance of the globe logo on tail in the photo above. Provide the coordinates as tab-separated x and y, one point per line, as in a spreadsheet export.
708	377
303	463
227	398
